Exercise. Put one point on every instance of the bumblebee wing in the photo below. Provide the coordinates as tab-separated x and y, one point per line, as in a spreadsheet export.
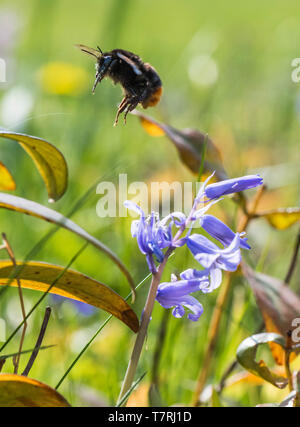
129	62
89	50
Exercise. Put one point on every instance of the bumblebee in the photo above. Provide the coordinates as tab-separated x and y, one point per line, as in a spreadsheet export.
140	82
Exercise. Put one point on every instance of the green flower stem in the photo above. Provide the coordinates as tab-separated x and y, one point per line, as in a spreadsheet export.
140	339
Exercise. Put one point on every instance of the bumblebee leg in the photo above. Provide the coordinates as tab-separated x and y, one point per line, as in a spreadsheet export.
121	108
132	104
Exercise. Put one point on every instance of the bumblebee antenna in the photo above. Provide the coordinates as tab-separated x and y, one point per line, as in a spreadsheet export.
100	50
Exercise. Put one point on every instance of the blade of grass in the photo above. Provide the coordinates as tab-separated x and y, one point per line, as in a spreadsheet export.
40	244
293	260
128	393
203	155
78	253
38	342
93	338
11	254
7	356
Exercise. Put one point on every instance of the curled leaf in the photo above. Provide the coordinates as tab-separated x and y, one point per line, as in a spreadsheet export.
281	218
28	207
246	354
278	304
20	391
48	159
39	276
7	182
275	300
249	379
189	144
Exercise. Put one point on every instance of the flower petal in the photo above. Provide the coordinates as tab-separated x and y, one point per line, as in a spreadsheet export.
220	231
201	192
179	288
206	260
218	189
197	243
215	280
192	304
134	207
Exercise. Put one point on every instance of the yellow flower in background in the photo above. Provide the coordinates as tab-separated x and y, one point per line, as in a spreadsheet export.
61	78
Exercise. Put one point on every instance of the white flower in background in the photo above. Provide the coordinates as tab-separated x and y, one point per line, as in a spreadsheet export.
16	105
203	70
9	28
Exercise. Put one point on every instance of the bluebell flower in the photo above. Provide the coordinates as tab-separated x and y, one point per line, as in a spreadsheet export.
213	258
154	235
220	231
229	186
176	294
213	278
151	235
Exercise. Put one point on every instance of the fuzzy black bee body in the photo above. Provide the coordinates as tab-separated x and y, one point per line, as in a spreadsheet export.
139	80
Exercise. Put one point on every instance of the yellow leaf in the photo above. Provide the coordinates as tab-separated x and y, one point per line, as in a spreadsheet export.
39	276
250	379
7	182
151	127
281	218
20	391
48	159
18	204
277	351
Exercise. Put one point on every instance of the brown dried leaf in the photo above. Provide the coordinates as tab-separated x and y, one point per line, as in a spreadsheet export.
278	304
189	144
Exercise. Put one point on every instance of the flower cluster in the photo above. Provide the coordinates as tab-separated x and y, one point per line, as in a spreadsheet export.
154	236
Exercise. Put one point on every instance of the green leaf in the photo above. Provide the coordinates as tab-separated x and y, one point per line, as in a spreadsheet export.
48	159
37	210
246	354
39	276
20	391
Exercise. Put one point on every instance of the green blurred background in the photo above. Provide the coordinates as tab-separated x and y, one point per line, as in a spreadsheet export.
226	70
